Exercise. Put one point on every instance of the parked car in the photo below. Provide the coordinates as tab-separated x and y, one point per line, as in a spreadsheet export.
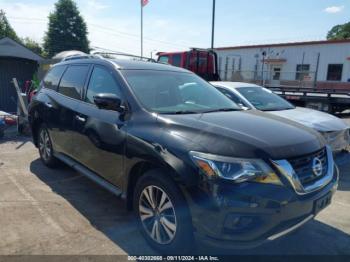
187	160
251	96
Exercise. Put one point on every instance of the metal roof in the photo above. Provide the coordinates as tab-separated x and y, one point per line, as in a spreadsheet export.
322	42
10	48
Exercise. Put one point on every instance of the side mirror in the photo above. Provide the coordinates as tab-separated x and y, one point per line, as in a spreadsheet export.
109	102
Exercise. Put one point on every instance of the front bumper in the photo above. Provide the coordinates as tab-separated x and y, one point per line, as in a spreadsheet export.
250	214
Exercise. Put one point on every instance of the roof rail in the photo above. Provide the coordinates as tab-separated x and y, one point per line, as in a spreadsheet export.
76	57
104	54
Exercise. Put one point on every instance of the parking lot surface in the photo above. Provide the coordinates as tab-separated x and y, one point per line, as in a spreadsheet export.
56	212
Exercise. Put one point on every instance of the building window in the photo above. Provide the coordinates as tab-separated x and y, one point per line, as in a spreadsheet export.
303	71
335	72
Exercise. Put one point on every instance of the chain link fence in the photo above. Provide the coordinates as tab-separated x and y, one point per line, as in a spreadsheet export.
271	78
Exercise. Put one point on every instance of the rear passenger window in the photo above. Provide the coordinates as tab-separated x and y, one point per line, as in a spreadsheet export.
73	81
101	81
53	77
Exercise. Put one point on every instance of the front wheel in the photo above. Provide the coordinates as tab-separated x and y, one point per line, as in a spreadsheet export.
45	148
162	214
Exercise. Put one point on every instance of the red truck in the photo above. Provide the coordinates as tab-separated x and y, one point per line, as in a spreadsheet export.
203	62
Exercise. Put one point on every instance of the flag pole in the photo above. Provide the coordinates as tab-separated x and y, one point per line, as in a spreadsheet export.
141	28
213	26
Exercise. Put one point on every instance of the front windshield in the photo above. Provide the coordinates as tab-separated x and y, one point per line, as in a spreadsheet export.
263	99
168	92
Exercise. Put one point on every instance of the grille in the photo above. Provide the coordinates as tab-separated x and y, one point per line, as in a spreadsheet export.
303	167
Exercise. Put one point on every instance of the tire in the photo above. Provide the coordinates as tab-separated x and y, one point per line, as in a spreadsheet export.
45	148
171	217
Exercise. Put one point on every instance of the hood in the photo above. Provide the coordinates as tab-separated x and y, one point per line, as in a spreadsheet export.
249	134
314	119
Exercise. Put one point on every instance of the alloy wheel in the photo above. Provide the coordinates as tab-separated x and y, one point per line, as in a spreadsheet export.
157	214
45	145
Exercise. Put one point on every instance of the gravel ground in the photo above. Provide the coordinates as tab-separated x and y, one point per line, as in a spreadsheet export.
59	212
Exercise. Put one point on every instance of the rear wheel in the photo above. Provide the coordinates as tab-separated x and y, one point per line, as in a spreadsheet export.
45	148
162	214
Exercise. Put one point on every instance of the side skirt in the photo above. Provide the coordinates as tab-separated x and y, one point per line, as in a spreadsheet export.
89	174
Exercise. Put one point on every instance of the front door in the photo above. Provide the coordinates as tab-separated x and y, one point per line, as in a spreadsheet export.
276	75
102	133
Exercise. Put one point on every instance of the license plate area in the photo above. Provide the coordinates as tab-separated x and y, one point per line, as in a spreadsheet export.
322	203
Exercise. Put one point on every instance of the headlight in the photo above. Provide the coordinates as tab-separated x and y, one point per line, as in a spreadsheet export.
237	170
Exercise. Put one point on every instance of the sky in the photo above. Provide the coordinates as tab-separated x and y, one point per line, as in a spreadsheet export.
176	25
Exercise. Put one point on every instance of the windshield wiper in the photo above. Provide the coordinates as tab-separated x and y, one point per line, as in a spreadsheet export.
180	112
276	109
223	110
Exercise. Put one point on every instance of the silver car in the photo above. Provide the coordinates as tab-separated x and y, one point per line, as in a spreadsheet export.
250	96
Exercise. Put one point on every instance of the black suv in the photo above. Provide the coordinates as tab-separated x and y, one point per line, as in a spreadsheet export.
186	159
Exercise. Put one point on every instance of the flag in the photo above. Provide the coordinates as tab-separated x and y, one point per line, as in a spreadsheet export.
144	2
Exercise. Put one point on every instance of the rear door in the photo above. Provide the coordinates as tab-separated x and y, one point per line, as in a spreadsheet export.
66	102
49	108
102	133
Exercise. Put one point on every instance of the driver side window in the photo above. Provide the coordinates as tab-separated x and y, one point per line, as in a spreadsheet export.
101	81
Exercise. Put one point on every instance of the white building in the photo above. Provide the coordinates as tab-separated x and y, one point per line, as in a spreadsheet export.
322	64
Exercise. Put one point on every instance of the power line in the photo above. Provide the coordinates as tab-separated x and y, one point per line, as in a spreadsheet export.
110	50
137	36
110	30
27	18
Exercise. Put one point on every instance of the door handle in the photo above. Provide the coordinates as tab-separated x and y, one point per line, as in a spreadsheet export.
48	104
80	119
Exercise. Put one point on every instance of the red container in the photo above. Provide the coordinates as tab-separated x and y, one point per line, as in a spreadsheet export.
10	121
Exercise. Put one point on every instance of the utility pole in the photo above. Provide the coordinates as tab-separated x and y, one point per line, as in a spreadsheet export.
213	26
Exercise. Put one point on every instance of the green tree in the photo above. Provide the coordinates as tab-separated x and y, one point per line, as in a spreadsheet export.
67	29
32	45
339	32
6	29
